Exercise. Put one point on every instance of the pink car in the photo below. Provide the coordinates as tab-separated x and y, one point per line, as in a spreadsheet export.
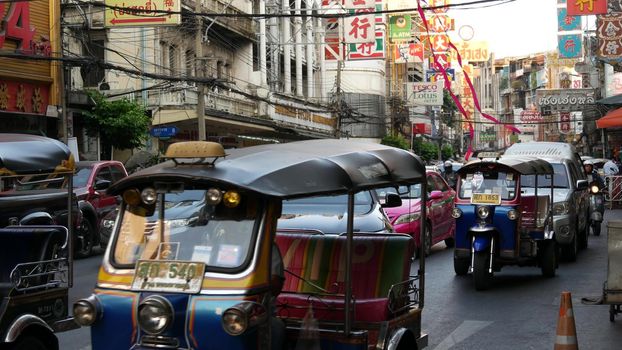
405	219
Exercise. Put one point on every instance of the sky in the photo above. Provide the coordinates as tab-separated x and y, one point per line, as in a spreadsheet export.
512	29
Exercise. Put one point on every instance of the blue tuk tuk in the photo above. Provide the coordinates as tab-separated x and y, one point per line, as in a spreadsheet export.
503	213
223	278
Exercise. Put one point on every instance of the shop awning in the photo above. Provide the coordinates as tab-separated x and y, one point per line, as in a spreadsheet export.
613	119
611	100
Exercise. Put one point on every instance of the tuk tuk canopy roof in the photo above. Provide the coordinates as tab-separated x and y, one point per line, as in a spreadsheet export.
296	169
521	164
22	154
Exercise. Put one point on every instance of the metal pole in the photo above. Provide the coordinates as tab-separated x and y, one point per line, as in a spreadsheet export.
70	228
199	72
423	228
348	281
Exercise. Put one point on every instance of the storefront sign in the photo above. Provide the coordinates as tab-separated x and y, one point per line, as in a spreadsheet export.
142	13
609	33
565	100
487	136
23	97
530	116
425	94
570	45
411	53
472	51
374	49
436	42
586	7
361	28
400	27
564	122
565	22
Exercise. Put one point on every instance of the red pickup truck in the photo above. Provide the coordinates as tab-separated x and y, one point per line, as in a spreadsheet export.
90	182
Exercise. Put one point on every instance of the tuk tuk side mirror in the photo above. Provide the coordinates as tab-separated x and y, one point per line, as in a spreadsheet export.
101	185
582	185
436	195
392	200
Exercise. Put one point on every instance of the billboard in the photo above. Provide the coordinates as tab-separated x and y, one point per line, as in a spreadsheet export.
425	94
133	13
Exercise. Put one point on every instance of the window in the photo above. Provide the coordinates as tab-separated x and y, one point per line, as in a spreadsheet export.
117	174
173	59
103	174
190	59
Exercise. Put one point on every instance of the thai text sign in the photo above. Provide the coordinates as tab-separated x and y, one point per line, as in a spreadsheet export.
586	7
565	100
140	13
530	116
425	94
472	51
411	53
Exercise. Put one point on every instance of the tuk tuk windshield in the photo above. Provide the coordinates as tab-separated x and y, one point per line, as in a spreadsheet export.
488	182
181	226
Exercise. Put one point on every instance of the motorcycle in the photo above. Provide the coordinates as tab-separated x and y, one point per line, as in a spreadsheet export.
597	207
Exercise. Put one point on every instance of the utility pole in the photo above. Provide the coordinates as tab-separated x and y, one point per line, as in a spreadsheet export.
338	114
199	71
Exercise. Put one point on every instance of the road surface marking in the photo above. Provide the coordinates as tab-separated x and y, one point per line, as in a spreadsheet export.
465	330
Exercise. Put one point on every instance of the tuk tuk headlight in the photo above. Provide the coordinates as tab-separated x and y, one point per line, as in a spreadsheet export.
594	189
560	208
407	218
214	196
234	321
512	214
456	213
149	195
483	212
86	311
155	314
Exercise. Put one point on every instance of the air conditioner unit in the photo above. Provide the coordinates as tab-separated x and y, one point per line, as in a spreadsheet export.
96	18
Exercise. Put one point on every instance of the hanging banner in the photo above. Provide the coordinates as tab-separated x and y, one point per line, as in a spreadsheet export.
472	51
374	49
400	28
425	94
442	58
570	45
436	42
567	23
586	7
609	33
408	53
333	51
360	29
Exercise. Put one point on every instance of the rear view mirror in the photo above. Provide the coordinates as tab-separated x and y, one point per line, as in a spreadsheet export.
392	200
582	185
436	195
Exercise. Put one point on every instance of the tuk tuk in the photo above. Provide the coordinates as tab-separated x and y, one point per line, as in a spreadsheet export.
503	213
35	251
224	279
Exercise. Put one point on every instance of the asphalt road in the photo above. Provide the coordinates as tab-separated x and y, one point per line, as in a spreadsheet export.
520	311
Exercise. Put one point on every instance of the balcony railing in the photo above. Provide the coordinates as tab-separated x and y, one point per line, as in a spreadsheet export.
242	25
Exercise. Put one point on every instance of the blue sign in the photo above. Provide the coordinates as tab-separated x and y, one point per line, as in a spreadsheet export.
567	23
164	131
569	46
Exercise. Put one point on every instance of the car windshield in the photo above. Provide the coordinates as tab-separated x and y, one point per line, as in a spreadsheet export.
404	191
327	205
560	179
222	239
488	182
81	177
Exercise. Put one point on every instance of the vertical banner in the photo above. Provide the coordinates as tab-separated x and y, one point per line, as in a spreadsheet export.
609	33
565	22
564	123
570	45
586	7
360	29
373	49
333	50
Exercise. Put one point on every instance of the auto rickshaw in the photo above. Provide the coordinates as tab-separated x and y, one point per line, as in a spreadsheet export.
35	252
224	279
503	213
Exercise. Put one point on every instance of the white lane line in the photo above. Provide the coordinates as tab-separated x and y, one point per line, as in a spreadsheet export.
465	330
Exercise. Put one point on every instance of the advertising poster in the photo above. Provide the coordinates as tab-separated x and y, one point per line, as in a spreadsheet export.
408	52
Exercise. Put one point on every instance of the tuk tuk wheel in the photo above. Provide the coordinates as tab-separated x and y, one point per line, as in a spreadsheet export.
85	235
481	276
461	266
548	261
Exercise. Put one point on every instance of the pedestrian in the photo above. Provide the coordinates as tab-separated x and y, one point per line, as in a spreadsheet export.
449	175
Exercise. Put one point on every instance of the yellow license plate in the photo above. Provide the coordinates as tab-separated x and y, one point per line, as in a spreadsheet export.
484	198
168	276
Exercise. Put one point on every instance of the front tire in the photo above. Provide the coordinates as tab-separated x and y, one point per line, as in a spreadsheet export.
85	235
28	343
461	266
427	242
481	276
548	262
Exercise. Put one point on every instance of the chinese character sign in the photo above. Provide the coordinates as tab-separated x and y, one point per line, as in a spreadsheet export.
440	5
567	23
569	45
440	23
361	28
434	75
373	48
564	122
609	32
586	7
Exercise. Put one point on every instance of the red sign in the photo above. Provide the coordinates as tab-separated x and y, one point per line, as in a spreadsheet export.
564	122
422	129
530	116
441	4
443	59
586	7
23	97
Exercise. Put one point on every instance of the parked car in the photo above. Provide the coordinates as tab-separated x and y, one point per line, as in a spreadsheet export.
90	182
182	209
406	218
328	214
571	196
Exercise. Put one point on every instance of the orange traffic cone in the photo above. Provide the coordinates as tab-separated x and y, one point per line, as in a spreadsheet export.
566	338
